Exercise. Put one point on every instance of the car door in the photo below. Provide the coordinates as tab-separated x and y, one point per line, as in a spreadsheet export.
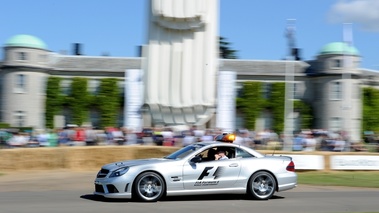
211	174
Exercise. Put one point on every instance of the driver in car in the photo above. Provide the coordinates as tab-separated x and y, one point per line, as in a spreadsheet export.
221	155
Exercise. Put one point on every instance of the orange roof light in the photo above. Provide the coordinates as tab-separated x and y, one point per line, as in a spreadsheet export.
228	138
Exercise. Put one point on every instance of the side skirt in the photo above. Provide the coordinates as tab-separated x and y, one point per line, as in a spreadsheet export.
207	191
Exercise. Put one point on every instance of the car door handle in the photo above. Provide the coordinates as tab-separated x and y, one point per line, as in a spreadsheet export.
233	165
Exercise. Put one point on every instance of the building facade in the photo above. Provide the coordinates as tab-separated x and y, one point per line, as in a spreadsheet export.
331	83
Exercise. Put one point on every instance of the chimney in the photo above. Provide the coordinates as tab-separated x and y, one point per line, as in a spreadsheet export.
139	51
77	50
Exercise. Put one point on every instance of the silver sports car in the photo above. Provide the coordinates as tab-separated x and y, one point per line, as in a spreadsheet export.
193	170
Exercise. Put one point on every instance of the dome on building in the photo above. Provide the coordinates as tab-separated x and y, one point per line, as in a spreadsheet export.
26	41
339	48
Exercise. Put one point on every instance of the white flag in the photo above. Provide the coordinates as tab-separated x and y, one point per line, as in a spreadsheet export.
348	34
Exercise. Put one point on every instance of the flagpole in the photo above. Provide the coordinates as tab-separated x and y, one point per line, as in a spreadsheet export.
346	76
289	80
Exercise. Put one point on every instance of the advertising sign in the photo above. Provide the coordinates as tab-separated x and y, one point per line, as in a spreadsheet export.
354	162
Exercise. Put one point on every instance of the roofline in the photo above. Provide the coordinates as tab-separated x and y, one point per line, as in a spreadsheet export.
102	57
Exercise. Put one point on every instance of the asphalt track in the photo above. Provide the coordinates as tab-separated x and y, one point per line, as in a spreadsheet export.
68	191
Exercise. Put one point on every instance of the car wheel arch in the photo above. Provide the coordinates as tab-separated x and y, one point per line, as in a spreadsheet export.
147	171
271	173
262	170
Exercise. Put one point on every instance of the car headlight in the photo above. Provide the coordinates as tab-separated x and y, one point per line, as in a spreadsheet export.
119	172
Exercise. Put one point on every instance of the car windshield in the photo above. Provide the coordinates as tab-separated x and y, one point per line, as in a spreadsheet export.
185	151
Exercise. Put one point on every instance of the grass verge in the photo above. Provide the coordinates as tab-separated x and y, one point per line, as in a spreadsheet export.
340	178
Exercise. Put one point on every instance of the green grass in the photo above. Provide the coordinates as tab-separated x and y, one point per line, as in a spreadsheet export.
340	178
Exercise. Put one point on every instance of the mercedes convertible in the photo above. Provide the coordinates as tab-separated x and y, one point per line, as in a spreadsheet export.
194	170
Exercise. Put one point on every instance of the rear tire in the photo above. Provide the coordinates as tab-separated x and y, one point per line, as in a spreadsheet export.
149	187
262	186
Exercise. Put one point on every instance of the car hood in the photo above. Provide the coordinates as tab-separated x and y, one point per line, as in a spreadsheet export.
119	164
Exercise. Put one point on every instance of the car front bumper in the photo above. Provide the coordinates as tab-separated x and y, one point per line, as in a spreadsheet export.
117	187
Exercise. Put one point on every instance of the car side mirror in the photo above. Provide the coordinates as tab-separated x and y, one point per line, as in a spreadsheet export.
196	159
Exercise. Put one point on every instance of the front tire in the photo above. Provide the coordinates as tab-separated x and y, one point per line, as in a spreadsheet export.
149	186
262	186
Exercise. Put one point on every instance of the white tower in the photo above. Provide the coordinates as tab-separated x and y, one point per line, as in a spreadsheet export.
181	61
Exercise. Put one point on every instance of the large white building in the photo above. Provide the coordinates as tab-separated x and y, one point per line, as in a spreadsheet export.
180	74
333	89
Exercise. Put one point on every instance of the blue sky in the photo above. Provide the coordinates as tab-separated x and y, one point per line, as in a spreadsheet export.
254	27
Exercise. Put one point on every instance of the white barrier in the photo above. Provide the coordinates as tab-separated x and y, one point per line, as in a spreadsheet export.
354	162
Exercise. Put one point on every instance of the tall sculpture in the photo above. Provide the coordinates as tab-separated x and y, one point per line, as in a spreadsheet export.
180	65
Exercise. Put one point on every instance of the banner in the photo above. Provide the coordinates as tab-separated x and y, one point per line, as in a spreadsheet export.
133	99
354	162
226	101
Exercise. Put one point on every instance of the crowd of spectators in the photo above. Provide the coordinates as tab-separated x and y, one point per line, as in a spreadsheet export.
321	140
307	140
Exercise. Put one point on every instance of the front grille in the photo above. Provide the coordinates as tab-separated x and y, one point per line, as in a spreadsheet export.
112	189
99	188
102	173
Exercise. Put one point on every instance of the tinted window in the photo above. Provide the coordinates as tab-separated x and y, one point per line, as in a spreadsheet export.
243	154
181	153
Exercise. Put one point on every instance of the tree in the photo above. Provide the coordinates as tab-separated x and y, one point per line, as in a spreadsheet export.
370	109
306	114
276	105
108	102
78	100
53	100
251	102
225	51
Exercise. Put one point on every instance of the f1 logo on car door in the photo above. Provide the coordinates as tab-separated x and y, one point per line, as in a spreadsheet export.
216	175
210	175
